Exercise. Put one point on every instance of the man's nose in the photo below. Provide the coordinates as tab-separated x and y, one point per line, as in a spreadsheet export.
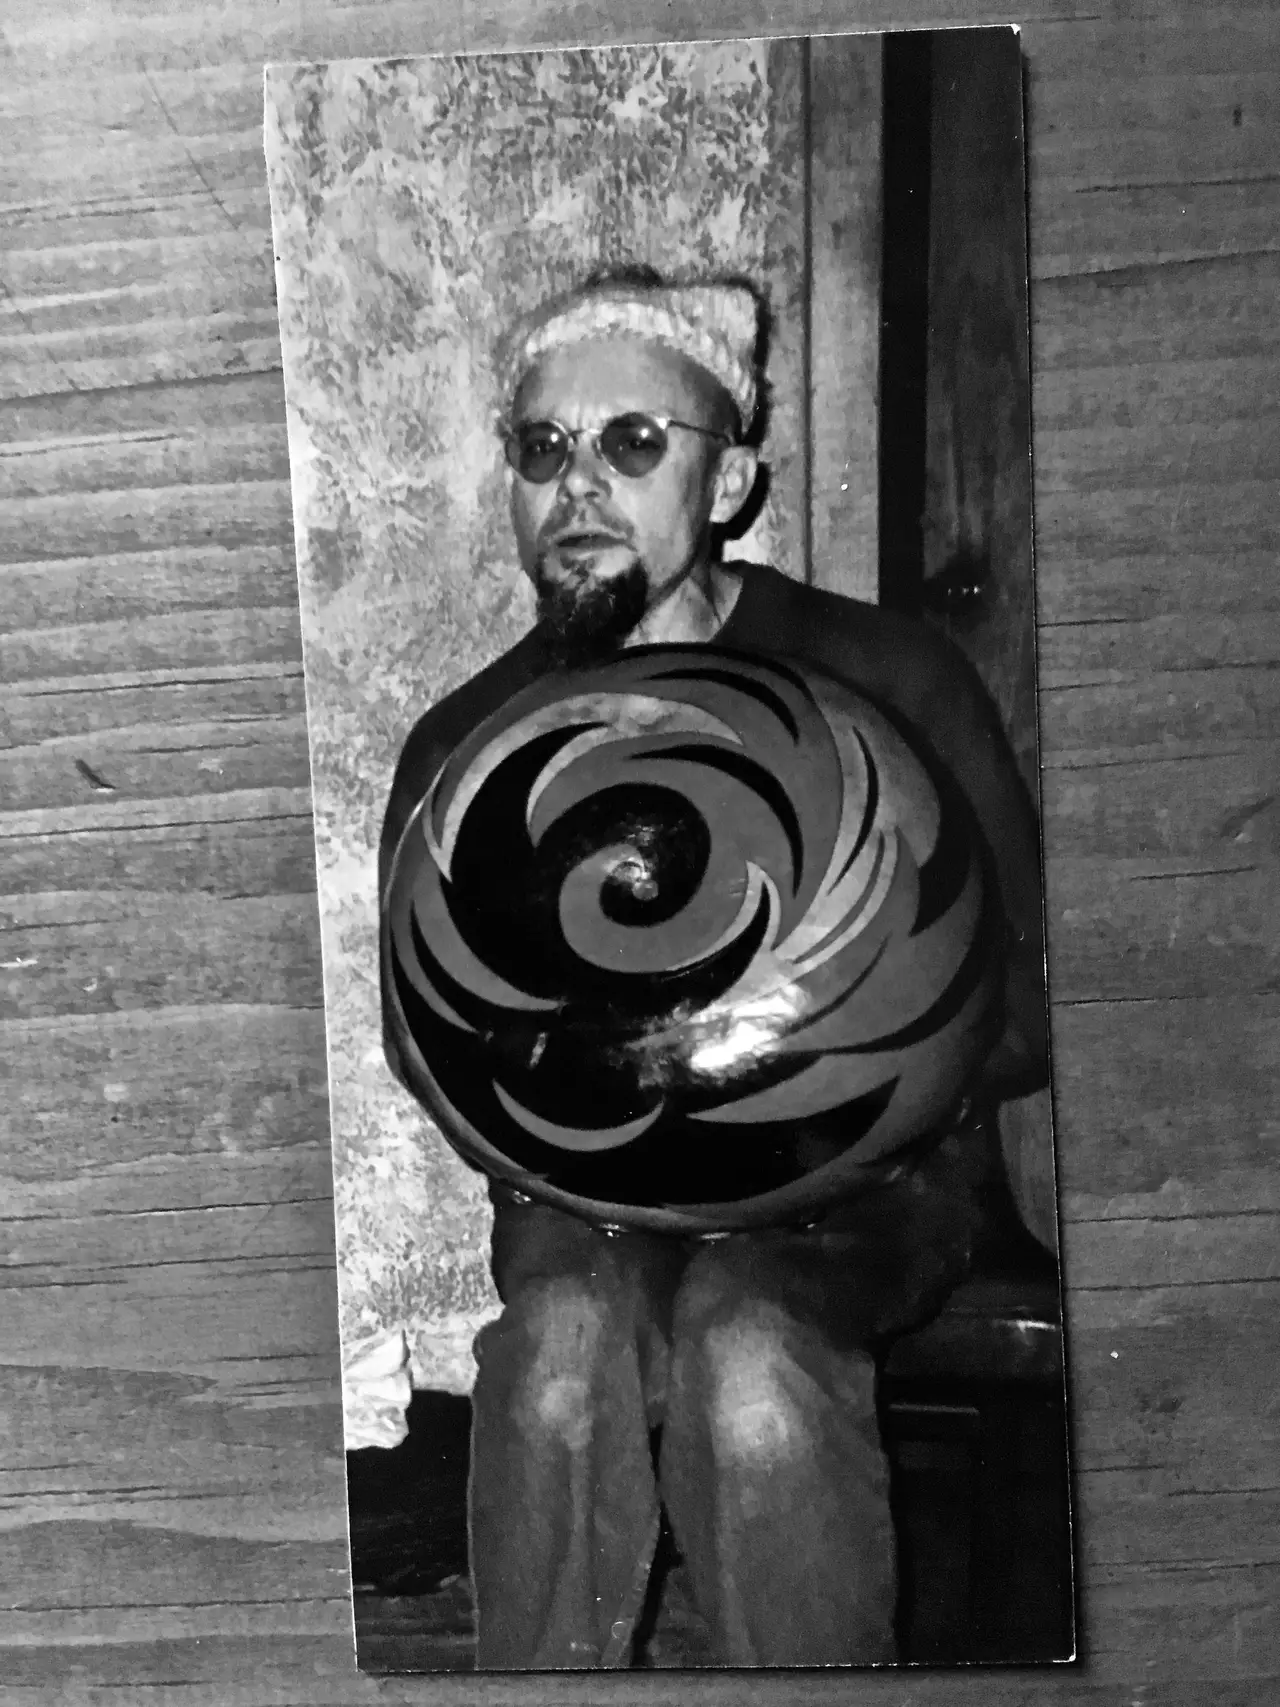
585	471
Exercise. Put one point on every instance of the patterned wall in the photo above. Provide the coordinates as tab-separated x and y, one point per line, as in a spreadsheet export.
418	206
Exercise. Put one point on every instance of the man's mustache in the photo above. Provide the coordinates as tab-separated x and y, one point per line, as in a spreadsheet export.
567	524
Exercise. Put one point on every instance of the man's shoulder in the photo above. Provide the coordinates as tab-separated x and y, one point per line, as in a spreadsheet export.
438	731
887	654
456	712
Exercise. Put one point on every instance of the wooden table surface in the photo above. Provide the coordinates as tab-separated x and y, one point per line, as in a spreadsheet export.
171	1475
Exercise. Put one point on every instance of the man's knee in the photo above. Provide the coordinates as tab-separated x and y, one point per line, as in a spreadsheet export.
767	1385
545	1351
755	1399
737	1354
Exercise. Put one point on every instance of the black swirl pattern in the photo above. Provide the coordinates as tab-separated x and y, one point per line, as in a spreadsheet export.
689	940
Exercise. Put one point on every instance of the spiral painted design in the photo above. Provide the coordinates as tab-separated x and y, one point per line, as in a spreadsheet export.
688	939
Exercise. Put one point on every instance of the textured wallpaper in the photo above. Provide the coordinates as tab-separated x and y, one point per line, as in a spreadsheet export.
418	206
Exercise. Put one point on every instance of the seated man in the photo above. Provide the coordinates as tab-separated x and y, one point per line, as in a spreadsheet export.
753	1354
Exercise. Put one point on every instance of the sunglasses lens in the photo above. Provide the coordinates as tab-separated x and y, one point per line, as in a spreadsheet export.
634	444
537	451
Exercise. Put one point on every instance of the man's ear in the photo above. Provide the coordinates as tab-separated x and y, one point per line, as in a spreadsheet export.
735	476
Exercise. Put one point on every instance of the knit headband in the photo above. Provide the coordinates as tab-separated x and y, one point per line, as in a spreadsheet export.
714	326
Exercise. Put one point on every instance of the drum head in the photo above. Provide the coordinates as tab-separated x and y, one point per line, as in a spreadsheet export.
690	940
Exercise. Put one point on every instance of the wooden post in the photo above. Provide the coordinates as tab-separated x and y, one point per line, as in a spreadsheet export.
843	253
977	525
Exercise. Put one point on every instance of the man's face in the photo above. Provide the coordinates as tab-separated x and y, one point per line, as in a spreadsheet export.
601	548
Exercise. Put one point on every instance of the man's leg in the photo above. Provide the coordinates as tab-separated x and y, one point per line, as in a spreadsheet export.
563	1506
773	1471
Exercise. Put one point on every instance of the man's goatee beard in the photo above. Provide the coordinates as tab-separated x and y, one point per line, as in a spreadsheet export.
586	619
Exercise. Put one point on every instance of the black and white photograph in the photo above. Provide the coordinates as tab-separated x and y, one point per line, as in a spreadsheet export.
660	456
639	854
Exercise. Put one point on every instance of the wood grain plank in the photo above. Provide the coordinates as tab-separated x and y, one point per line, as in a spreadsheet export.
147	456
1145	928
261	949
49	709
176	1674
50	426
281	1687
99	1092
236	512
194	759
106	815
176	37
1167	1108
245	858
36	1250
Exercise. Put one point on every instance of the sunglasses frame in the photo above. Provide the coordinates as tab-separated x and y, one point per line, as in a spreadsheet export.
510	431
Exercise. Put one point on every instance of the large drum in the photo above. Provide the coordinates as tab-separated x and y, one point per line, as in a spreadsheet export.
690	940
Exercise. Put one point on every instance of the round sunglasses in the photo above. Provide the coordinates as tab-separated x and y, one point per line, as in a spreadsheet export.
633	444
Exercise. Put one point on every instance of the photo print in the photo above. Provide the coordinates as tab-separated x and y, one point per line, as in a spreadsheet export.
660	452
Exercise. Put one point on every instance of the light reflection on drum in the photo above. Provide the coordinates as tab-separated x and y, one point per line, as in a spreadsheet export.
690	940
